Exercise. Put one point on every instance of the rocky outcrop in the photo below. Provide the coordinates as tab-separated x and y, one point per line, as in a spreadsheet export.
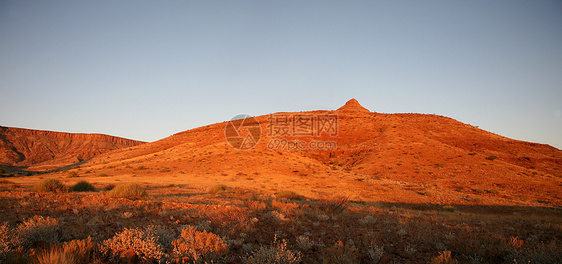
353	106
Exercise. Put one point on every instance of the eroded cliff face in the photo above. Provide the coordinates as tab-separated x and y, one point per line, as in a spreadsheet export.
28	147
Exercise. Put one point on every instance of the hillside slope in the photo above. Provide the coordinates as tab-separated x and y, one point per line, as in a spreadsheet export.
414	158
38	149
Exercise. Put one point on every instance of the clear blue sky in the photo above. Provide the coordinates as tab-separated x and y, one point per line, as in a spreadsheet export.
148	69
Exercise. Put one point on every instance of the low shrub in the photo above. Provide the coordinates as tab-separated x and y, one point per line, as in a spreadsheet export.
83	186
305	243
277	253
200	246
340	253
375	252
427	193
491	157
37	229
335	205
102	175
142	242
276	215
547	252
6	239
479	191
448	208
50	185
516	243
76	251
79	250
16	256
72	174
290	195
165	235
2	171
231	220
131	191
444	258
220	188
367	220
55	255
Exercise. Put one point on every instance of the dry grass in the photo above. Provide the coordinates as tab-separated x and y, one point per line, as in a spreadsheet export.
239	226
55	256
335	205
72	252
219	188
82	186
72	174
37	229
289	195
277	253
141	243
6	240
50	185
341	253
131	191
81	250
444	258
198	246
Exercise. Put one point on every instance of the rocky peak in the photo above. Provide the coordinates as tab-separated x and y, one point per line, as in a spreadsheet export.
353	106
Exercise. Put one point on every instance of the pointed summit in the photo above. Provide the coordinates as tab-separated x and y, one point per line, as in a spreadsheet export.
353	106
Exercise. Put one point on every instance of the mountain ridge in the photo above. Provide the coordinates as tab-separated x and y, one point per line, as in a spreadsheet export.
370	156
377	155
24	147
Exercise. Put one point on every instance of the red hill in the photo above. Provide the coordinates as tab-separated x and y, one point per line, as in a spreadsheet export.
38	149
414	158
